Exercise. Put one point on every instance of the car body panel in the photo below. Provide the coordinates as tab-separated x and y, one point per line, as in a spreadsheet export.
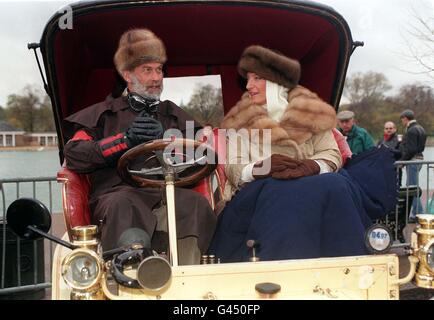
344	278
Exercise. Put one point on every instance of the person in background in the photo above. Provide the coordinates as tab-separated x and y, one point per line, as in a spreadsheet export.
412	147
390	137
358	138
392	141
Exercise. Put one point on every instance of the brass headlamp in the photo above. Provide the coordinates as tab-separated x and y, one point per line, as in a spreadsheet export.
82	269
422	243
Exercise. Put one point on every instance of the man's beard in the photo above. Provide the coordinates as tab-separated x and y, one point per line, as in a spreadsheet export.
139	88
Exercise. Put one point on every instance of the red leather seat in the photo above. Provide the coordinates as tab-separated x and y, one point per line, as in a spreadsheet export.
75	191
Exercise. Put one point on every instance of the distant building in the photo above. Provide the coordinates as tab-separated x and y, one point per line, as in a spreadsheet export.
11	136
44	139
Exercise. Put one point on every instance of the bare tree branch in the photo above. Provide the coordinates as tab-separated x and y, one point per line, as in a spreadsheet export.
419	41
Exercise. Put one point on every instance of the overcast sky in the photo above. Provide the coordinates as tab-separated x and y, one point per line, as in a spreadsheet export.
381	24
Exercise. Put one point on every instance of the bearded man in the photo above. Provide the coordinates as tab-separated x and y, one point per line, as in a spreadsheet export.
102	132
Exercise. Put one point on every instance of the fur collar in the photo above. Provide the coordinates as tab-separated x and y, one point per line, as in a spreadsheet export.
305	115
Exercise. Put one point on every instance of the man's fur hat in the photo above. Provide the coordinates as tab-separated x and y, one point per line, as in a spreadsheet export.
270	65
138	46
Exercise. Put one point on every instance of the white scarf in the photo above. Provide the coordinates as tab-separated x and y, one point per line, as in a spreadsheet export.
277	100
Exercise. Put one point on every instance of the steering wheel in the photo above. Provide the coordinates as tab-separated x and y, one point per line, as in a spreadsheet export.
141	178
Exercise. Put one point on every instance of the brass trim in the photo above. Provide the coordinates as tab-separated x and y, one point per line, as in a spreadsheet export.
413	263
423	252
66	213
85	233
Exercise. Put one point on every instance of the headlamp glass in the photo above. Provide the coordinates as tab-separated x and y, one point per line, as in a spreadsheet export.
378	239
81	269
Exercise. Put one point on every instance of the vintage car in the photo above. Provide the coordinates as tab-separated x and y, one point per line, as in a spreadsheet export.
203	37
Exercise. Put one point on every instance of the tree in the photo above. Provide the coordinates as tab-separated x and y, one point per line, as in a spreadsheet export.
29	111
420	40
367	95
44	117
206	105
369	87
21	109
2	113
420	99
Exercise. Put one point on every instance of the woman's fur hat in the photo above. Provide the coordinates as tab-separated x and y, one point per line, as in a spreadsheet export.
270	65
138	46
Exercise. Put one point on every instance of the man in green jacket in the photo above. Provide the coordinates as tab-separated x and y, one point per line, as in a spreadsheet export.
358	138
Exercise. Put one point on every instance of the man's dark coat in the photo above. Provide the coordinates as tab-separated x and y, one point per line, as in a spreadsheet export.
413	142
114	203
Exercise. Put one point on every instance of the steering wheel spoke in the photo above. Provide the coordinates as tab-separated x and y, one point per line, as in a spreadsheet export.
146	177
146	172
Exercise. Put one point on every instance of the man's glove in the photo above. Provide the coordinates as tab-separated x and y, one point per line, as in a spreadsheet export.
303	168
279	162
143	129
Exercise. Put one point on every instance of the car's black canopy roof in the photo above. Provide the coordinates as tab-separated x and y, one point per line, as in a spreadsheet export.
202	37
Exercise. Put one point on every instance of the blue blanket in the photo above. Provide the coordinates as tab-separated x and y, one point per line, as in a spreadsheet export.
320	216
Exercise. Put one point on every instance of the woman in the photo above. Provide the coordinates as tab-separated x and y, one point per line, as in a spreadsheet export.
279	193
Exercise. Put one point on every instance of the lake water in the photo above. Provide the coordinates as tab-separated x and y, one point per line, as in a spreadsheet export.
30	164
46	163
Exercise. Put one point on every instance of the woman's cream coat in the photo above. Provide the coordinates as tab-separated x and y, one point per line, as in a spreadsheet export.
303	132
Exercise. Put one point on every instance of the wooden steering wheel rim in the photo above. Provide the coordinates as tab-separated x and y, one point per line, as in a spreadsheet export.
129	156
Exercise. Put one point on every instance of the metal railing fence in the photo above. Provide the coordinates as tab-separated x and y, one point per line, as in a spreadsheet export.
419	187
24	262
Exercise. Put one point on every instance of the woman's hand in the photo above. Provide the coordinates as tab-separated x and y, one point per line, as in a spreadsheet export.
303	168
276	163
284	168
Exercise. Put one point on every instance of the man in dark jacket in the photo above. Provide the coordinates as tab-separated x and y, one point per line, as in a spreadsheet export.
103	132
358	138
390	138
412	147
